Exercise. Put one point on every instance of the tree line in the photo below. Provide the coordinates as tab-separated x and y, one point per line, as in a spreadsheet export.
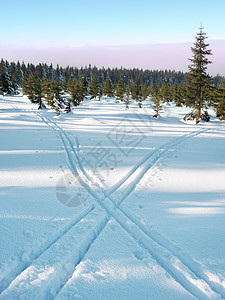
61	88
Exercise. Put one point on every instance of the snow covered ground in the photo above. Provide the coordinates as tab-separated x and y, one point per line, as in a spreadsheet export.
109	203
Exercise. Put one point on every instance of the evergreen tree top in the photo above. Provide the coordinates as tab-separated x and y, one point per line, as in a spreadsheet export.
200	50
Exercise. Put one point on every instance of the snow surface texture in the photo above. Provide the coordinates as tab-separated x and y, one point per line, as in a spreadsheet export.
109	203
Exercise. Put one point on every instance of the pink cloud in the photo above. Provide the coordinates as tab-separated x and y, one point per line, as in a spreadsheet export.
158	56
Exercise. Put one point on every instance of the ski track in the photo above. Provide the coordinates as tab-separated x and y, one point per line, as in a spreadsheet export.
148	162
13	273
184	270
181	272
46	276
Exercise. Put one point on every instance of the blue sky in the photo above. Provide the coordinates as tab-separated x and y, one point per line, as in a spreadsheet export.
36	25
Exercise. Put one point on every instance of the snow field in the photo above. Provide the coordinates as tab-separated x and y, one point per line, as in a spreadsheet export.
112	197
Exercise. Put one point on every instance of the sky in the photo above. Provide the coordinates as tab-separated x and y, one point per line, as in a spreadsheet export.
134	34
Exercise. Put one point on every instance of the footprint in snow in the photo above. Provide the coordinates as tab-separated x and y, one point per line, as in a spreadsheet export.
140	206
139	255
28	233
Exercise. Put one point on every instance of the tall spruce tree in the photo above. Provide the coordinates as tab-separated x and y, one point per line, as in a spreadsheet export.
199	83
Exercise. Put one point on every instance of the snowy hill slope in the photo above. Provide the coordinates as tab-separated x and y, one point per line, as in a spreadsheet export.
108	203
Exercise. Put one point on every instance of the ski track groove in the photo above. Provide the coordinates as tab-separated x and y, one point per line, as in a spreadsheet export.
5	282
156	248
83	252
112	210
65	255
157	154
19	270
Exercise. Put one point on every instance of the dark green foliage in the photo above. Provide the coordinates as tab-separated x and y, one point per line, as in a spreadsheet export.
108	89
219	103
165	92
28	88
178	94
136	89
53	94
12	75
199	83
156	99
191	116
94	88
120	90
144	91
78	90
34	88
65	75
19	74
6	84
48	93
127	97
126	82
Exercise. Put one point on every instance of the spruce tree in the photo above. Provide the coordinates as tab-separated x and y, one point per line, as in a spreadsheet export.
28	89
73	89
38	89
19	74
58	95
6	85
165	92
49	93
128	89
127	97
199	83
156	99
78	90
13	78
94	88
219	103
34	88
120	90
53	94
177	94
108	90
144	91
136	89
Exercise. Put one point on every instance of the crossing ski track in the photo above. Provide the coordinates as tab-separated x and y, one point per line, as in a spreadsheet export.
184	270
114	210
